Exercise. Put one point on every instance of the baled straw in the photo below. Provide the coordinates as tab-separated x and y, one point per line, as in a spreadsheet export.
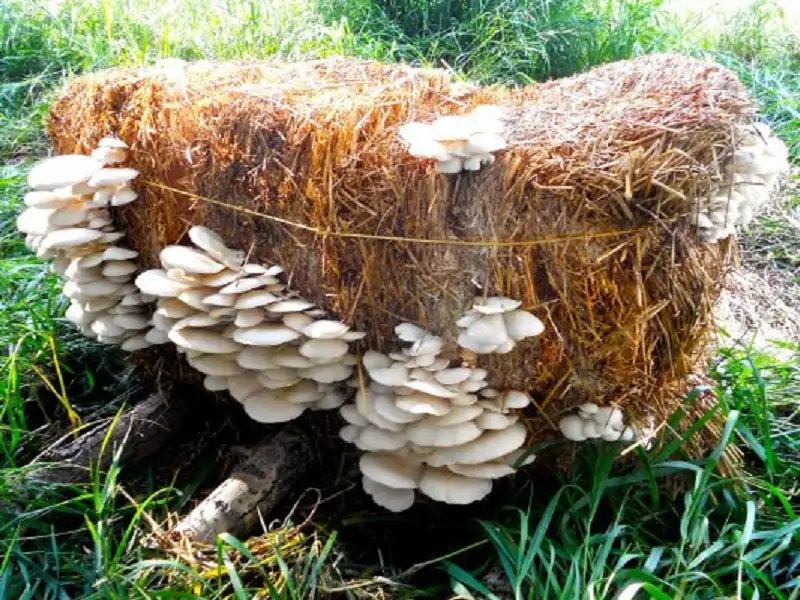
583	218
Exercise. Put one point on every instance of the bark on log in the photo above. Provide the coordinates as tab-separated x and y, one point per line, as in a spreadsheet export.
139	432
236	506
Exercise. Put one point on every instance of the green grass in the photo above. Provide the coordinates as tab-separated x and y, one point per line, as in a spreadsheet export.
603	531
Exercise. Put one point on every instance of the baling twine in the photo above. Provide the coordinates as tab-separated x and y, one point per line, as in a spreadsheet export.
390	238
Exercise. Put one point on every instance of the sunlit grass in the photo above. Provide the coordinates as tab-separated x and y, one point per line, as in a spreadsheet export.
600	533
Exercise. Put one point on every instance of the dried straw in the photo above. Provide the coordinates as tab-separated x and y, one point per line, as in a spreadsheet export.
582	218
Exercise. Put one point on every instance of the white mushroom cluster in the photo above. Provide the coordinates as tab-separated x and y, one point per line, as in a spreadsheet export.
426	425
458	142
67	220
607	423
748	180
235	322
495	324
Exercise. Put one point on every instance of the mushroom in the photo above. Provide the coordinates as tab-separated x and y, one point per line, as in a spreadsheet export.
445	486
391	470
395	500
60	171
189	260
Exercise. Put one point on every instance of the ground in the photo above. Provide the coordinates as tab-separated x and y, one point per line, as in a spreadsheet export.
664	527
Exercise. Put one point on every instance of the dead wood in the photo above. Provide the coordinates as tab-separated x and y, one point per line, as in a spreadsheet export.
136	434
271	470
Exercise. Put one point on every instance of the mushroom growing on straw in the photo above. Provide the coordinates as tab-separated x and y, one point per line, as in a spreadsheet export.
748	179
458	143
427	425
68	220
237	324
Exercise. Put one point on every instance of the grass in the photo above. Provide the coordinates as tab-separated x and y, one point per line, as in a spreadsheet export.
602	531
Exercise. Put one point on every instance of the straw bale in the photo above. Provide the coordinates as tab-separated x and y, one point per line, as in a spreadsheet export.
582	218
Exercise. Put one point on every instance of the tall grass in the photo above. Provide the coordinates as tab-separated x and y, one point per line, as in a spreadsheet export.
509	41
600	533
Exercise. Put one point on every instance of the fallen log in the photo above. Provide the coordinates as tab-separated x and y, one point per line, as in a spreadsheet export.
138	433
256	486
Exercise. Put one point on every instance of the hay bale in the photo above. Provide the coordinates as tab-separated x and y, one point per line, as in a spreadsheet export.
583	218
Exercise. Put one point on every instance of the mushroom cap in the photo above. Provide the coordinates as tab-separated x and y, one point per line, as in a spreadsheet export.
132	321
323	350
495	420
216	364
215	383
112	176
571	427
243	385
453	376
137	342
515	399
303	392
408	332
207	240
521	324
157	283
353	416
489	330
349	433
442	436
69	238
203	340
415	132
155	337
393	376
491	445
473	345
325	329
111	142
353	336
265	334
609	417
255	298
329	373
332	399
63	170
374	439
268	407
445	486
118	253
243	285
487	470
457	414
122	196
431	388
452	128
385	406
391	470
426	345
189	260
391	499
35	221
423	404
117	268
297	321
256	357
591	430
289	306
375	360
495	304
173	308
249	317
289	356
428	149
484	143
221	300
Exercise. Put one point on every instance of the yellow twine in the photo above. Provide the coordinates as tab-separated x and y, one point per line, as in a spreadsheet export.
390	238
